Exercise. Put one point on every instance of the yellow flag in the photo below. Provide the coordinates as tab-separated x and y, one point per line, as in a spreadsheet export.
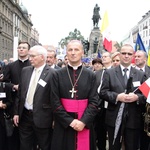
105	22
148	60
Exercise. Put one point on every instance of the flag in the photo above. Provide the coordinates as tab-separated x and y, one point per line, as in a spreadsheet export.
139	44
131	43
107	42
145	89
99	54
148	59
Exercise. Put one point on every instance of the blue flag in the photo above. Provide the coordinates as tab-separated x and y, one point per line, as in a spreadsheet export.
139	44
99	55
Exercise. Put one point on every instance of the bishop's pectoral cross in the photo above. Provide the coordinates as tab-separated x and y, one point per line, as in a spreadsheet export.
72	92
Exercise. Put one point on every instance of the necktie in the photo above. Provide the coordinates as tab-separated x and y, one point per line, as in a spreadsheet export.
32	88
141	69
125	75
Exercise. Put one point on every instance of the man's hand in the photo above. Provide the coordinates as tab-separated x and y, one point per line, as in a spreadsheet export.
127	98
77	125
131	97
15	87
16	120
2	105
122	97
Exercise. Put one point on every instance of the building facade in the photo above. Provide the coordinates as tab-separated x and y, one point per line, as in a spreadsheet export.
144	29
14	22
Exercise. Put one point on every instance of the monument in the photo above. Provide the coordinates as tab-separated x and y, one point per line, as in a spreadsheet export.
95	39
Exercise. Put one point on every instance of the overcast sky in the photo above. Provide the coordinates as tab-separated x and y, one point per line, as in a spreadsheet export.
54	19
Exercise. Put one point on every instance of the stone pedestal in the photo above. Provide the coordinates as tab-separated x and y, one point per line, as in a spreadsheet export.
95	33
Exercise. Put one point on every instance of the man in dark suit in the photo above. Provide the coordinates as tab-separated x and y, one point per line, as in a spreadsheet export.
113	90
141	64
51	59
5	105
100	125
12	74
33	108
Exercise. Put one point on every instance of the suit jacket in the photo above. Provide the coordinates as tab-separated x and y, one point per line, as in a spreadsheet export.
99	75
99	79
147	71
42	111
57	67
12	74
113	84
4	88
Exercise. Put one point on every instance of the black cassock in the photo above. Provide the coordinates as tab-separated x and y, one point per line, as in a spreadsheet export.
65	137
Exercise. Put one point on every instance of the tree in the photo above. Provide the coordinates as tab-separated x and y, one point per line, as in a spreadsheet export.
75	35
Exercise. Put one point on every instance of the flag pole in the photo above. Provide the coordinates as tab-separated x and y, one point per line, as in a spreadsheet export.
135	90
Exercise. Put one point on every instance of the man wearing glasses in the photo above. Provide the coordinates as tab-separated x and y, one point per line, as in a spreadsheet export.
33	113
124	108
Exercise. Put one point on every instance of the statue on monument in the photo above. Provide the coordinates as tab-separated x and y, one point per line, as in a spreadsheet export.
96	15
95	44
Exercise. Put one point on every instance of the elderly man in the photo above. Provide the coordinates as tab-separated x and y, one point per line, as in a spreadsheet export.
51	59
33	107
106	60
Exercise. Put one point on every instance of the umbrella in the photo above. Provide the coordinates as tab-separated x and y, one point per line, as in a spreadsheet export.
122	109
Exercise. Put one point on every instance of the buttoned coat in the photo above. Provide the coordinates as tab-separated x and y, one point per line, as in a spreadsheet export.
113	84
42	111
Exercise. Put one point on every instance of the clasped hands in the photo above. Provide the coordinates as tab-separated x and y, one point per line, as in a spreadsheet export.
77	125
127	98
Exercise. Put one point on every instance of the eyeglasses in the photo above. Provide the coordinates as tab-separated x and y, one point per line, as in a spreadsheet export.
116	60
124	53
22	47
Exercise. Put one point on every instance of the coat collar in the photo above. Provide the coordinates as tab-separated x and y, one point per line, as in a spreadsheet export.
44	73
120	76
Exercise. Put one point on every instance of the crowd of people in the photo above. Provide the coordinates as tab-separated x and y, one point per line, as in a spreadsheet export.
65	105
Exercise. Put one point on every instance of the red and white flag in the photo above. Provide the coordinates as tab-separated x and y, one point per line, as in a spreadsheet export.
105	30
145	89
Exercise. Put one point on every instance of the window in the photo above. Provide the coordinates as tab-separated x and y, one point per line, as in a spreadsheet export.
146	33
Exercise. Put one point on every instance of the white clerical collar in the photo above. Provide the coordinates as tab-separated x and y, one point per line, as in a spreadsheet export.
23	60
75	67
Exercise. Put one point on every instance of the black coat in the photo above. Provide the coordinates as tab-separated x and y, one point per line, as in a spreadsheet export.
5	88
113	84
42	109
